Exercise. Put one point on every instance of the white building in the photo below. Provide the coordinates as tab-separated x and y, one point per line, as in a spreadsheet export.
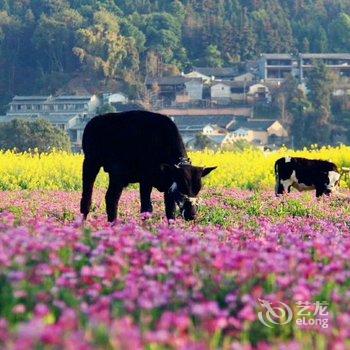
115	98
45	106
228	91
69	113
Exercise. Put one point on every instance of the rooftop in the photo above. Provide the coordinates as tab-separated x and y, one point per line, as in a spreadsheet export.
73	97
216	138
30	98
241	131
176	112
215	71
251	124
198	123
326	55
51	98
239	83
175	80
274	56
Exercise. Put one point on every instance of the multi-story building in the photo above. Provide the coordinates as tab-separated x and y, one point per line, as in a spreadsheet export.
44	106
339	63
275	68
69	113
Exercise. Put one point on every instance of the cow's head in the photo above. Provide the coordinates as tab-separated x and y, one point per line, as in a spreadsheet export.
332	180
185	183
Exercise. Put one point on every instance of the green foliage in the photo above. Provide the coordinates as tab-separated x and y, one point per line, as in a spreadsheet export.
40	134
213	57
48	42
202	142
106	108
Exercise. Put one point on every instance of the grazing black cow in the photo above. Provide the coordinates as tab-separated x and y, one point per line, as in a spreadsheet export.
306	174
140	147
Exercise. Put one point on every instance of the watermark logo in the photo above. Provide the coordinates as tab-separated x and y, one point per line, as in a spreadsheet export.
307	314
274	314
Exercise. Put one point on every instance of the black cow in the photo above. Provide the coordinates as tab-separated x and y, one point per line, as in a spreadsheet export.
140	147
306	174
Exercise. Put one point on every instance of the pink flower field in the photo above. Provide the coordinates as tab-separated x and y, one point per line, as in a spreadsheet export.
252	272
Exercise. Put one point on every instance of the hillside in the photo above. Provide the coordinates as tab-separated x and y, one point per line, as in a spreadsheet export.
45	44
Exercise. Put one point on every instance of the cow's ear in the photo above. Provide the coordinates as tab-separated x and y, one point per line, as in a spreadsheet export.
207	171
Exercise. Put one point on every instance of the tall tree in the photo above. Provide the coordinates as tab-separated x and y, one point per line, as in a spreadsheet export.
100	46
320	87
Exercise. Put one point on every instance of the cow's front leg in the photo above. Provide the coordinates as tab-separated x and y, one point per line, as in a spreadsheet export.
319	191
145	197
113	194
170	206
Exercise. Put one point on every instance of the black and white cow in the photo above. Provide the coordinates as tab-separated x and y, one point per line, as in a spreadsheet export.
145	148
306	174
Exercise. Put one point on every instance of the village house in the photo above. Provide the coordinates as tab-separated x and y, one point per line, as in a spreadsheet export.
258	92
239	91
68	112
275	67
45	106
215	73
192	121
175	88
225	92
260	132
114	99
214	130
247	77
194	74
338	63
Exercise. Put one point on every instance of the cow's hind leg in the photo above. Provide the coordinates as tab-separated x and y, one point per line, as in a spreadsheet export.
113	194
90	171
145	197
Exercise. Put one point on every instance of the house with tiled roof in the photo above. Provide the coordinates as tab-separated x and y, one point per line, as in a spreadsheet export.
216	73
175	87
66	112
258	131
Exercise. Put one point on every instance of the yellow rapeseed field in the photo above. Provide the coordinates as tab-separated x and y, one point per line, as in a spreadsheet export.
250	169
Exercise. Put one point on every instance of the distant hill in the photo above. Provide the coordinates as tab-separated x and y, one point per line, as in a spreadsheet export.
44	44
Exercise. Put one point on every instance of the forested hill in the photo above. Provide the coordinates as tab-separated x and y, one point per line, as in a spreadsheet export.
46	43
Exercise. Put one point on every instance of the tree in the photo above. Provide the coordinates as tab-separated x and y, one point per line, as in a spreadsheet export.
202	141
213	57
294	107
340	33
106	108
40	134
101	47
320	86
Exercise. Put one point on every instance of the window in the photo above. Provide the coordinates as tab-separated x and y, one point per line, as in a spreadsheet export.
79	106
237	90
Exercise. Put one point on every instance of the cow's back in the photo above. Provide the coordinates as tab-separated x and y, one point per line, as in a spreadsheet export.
134	139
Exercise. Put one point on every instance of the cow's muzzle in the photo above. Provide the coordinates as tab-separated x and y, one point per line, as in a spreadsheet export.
188	207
